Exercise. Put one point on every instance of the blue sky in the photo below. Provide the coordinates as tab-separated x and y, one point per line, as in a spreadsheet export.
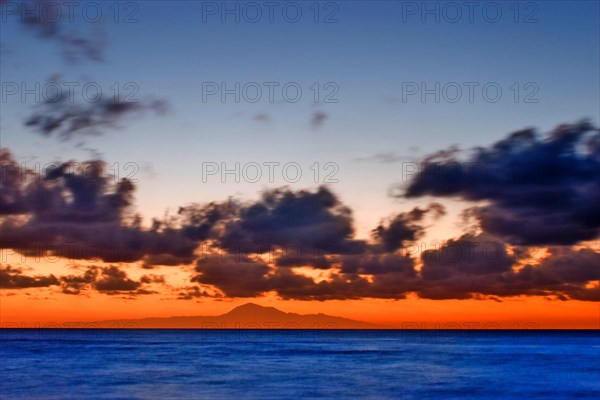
369	54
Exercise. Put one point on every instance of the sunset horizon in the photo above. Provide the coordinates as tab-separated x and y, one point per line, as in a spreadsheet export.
249	321
132	265
122	261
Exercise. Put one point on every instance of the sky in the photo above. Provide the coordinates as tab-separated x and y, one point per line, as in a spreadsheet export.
314	156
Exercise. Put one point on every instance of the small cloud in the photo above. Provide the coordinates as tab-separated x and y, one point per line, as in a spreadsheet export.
13	278
384	158
68	120
318	119
262	117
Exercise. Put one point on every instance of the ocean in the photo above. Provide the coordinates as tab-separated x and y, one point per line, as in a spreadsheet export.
276	364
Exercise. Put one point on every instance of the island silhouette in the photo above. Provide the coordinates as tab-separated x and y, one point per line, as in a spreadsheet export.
246	316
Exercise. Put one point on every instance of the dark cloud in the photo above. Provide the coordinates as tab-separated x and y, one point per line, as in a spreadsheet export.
13	179
565	271
68	117
310	221
481	266
53	21
191	293
251	278
75	284
13	278
318	119
289	285
404	227
378	264
76	211
393	276
540	191
152	278
109	280
113	280
471	267
199	222
243	278
472	255
294	256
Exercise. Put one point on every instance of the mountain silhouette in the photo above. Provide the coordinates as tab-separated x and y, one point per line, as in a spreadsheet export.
246	316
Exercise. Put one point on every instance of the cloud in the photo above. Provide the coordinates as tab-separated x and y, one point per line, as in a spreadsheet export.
245	277
291	286
379	264
384	158
191	293
403	227
76	211
480	265
470	267
302	245
12	184
12	278
75	284
235	278
310	221
318	119
113	280
250	278
109	280
470	255
539	191
199	221
55	23
262	117
67	117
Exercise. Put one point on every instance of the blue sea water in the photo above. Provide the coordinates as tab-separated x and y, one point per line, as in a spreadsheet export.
221	364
